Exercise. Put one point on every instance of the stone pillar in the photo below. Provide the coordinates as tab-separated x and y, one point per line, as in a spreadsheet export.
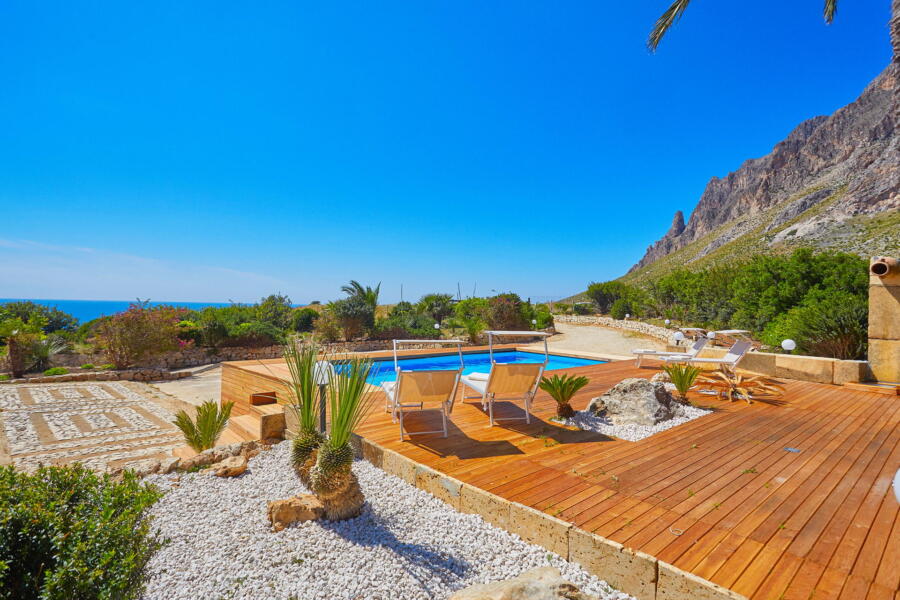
884	318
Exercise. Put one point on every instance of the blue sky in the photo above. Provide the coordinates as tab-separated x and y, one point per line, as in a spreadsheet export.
208	151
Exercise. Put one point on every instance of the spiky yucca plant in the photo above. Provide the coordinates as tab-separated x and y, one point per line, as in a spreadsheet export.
332	478
732	386
301	363
210	423
683	377
562	388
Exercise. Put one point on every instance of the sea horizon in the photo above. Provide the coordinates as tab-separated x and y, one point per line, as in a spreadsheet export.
88	310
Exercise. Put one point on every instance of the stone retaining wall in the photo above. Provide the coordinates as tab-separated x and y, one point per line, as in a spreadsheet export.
636	573
126	375
654	331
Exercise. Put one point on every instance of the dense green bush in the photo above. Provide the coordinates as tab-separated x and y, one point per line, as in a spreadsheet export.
355	316
303	319
276	310
816	299
580	308
404	325
189	331
621	308
543	316
54	319
67	533
87	366
507	312
436	306
254	334
56	371
139	332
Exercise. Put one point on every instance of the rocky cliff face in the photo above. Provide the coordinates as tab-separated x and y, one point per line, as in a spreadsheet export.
834	182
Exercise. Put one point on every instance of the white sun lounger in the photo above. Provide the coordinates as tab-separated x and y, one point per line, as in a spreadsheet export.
422	390
729	361
695	349
515	381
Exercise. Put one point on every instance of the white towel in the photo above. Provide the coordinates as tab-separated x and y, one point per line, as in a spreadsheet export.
479	376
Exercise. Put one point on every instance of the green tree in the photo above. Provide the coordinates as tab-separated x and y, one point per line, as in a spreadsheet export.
436	306
367	294
304	319
276	310
20	338
355	315
56	320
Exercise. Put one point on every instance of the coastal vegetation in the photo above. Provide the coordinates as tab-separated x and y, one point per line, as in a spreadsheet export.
817	299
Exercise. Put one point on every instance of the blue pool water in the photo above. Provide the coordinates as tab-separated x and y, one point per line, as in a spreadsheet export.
383	370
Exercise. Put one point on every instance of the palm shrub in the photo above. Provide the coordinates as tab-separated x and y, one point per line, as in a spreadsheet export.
210	423
301	362
20	337
562	388
69	533
332	479
472	326
43	351
683	377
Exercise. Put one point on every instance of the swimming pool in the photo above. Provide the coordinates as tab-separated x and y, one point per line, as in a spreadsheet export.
383	370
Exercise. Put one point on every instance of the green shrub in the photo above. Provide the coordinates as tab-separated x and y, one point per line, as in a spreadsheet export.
355	315
543	316
87	366
255	334
107	367
683	377
436	306
327	328
54	320
620	308
276	310
404	325
303	319
505	312
606	293
834	325
5	377
139	332
56	371
582	308
561	388
66	532
189	331
210	423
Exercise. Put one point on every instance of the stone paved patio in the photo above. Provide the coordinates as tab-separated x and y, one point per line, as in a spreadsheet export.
101	424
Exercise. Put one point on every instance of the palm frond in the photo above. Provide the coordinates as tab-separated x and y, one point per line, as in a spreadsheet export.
201	434
665	21
301	363
830	10
349	399
563	387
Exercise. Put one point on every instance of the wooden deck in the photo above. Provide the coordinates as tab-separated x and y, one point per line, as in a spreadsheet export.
752	516
762	521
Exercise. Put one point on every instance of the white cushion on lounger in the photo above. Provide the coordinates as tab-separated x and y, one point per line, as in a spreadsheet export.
476	384
388	387
479	376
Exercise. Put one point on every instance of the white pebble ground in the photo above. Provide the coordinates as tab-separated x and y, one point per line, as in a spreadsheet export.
588	421
406	544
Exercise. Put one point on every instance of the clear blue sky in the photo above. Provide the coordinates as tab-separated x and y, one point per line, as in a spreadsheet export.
209	151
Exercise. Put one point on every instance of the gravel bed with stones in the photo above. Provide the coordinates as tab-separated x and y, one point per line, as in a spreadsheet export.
407	544
585	419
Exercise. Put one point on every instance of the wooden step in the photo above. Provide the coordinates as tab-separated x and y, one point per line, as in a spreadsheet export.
263	398
246	426
887	388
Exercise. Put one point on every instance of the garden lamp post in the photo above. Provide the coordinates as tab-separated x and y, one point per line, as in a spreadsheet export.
323	373
668	322
534	323
678	337
789	345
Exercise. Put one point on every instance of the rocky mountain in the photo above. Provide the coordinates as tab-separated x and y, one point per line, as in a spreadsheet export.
833	183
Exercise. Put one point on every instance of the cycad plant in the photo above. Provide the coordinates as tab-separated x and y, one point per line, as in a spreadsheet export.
562	388
301	362
211	421
683	377
332	479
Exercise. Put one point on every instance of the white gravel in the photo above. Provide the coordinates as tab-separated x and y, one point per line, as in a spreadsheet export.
588	421
406	544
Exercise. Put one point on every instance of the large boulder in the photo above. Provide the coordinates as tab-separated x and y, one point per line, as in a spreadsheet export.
544	583
304	507
636	402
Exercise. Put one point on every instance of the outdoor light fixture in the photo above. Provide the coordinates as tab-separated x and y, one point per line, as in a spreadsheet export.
668	322
437	325
788	345
627	316
322	375
711	335
678	337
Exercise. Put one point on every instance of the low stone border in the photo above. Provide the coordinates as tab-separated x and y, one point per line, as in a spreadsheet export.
206	458
125	375
654	331
636	573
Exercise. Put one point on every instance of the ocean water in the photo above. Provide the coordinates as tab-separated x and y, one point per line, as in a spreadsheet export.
87	310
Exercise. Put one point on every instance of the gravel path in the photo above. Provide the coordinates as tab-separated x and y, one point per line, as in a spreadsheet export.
588	421
406	544
600	340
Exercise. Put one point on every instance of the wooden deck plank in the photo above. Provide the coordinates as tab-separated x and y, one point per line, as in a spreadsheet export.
754	517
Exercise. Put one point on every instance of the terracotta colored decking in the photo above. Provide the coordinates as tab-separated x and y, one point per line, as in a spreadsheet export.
752	516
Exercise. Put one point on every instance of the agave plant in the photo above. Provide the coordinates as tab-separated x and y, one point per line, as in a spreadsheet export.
562	388
733	386
210	423
301	362
332	479
683	377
